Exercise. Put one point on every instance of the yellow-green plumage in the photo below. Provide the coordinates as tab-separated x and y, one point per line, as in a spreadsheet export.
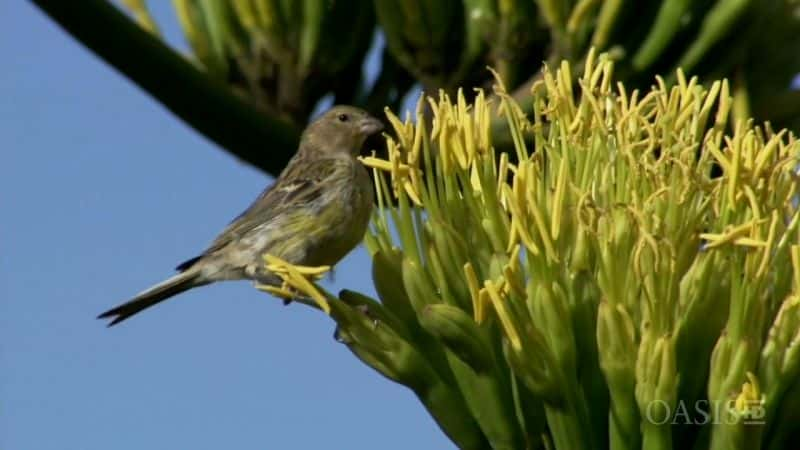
315	213
331	224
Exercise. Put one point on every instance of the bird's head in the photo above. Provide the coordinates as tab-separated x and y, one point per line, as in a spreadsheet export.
340	129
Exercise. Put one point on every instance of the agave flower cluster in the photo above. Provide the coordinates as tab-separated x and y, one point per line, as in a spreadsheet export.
628	278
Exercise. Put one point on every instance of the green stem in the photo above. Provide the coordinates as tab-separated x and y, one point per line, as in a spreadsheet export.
204	104
656	436
564	428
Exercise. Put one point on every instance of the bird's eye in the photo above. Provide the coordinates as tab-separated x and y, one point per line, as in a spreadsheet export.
343	117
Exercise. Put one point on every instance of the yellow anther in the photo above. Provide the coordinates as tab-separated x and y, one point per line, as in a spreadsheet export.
295	277
505	318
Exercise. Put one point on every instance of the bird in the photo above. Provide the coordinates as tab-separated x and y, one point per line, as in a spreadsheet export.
315	212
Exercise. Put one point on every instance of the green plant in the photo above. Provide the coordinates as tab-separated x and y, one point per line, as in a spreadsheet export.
258	67
635	263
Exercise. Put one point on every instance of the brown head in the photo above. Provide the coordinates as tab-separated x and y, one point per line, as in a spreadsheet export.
341	129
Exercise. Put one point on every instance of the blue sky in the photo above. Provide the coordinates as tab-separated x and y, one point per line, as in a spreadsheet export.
102	193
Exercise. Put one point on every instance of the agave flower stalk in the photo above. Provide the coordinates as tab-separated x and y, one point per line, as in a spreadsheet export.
626	277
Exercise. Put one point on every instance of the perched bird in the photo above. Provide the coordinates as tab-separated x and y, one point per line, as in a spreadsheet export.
314	214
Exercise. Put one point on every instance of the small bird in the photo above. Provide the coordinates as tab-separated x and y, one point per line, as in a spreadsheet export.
314	214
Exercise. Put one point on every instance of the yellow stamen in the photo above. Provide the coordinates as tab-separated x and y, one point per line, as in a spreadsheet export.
383	165
558	199
749	399
402	130
275	264
474	291
773	227
294	277
502	313
732	235
282	291
411	191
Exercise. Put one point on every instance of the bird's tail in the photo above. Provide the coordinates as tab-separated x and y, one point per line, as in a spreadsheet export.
153	295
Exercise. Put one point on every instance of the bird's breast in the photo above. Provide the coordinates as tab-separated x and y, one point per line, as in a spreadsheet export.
343	219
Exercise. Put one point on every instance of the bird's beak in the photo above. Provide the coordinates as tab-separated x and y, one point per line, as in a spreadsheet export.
370	126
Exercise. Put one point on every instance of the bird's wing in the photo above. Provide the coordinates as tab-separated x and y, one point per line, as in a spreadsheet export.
302	182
